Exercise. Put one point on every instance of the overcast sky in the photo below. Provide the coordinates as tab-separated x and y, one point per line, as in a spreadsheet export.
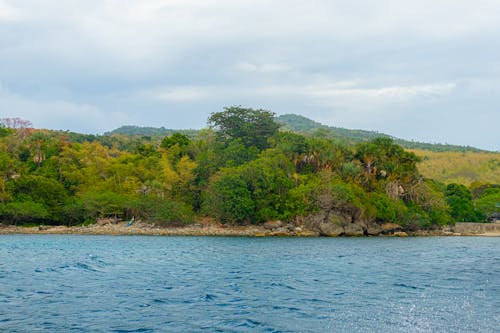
427	70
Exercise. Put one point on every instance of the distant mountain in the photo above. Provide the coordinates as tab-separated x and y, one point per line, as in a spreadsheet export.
301	124
148	131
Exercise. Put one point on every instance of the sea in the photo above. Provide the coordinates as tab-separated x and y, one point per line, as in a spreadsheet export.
72	283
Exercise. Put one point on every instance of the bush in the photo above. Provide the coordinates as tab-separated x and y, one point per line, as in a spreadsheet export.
229	200
23	212
161	211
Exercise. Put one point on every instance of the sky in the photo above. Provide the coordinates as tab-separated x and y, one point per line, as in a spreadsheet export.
426	70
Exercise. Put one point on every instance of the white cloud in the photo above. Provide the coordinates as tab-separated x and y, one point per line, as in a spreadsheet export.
177	94
265	68
355	96
349	94
8	12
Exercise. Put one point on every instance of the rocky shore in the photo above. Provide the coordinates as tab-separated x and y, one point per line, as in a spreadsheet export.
269	229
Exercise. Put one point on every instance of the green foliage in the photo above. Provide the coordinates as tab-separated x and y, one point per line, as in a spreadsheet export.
386	209
229	199
242	171
235	153
4	131
459	199
177	138
147	150
415	218
104	204
300	199
384	162
252	127
23	212
45	191
161	211
489	201
74	213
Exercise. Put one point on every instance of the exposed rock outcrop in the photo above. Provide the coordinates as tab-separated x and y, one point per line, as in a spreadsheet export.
273	225
353	230
330	229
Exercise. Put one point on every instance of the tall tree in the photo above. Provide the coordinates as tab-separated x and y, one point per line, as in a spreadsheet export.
252	127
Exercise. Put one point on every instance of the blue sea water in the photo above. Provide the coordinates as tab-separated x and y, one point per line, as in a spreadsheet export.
59	283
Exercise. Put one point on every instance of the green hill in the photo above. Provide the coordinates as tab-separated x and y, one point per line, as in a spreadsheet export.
301	124
148	131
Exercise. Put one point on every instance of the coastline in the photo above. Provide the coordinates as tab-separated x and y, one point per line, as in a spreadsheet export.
141	228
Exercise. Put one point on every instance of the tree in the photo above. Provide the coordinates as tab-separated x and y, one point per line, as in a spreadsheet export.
229	199
489	201
252	127
41	190
23	211
177	138
459	199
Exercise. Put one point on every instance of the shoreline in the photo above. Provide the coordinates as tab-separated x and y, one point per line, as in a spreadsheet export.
140	228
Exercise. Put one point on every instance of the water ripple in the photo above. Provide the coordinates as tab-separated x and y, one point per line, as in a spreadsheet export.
186	284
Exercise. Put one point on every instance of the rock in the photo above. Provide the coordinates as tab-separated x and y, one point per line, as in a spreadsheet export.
298	230
400	234
280	232
330	229
273	225
390	227
352	229
373	229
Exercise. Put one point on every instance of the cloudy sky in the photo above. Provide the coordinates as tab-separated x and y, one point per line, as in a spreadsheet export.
427	70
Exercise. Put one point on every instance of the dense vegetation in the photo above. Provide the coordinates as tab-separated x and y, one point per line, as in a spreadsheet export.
243	169
443	162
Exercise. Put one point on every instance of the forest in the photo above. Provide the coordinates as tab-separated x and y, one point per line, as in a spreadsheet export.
245	168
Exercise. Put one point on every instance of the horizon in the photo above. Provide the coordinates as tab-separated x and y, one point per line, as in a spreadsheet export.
423	71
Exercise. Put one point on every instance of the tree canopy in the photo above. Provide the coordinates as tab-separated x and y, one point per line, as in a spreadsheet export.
252	127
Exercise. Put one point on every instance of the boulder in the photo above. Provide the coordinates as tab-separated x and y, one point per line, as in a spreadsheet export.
280	232
390	227
400	234
273	225
374	229
330	229
353	229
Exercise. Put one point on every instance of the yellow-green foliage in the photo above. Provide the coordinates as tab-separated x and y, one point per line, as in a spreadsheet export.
460	167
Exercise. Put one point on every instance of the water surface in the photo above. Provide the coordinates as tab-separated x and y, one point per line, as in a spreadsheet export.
59	283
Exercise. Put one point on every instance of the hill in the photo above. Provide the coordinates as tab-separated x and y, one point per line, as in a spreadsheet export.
301	124
460	167
148	131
